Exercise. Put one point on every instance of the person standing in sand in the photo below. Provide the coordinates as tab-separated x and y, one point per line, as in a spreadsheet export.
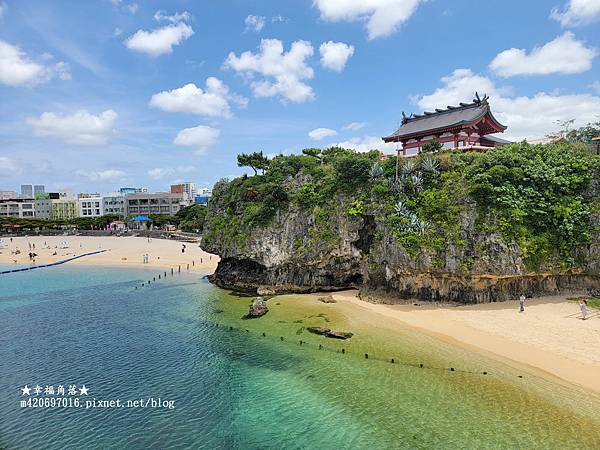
522	303
583	308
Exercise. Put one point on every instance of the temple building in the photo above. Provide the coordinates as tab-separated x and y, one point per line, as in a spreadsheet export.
469	126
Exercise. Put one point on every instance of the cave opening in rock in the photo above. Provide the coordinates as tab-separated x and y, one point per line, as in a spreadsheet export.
366	234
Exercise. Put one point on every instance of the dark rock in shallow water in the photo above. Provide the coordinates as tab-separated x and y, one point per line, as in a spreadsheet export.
258	309
330	333
319	330
340	334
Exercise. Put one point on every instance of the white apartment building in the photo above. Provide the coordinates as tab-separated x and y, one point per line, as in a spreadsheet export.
90	207
17	208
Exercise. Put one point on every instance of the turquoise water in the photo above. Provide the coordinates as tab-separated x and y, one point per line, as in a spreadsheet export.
237	389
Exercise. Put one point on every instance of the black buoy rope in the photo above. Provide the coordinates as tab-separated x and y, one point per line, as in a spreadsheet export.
305	344
365	356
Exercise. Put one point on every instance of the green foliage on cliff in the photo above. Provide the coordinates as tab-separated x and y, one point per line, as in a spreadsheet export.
192	218
540	197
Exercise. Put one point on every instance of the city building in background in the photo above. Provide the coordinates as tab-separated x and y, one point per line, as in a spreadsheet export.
19	207
85	195
203	196
90	206
26	191
188	189
64	208
8	195
155	203
43	207
114	204
132	190
38	190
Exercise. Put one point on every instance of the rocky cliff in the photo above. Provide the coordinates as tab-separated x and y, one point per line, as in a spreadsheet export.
458	253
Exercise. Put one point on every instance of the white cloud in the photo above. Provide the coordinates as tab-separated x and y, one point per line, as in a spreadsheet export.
17	69
132	8
160	16
9	167
365	144
254	23
526	117
335	55
355	126
577	12
284	73
279	19
159	41
159	173
213	101
80	128
200	136
103	175
319	133
383	17
565	55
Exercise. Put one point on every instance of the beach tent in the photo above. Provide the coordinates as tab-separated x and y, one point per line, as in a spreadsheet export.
139	222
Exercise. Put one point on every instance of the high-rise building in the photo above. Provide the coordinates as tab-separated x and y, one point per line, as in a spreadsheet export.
187	188
38	189
26	191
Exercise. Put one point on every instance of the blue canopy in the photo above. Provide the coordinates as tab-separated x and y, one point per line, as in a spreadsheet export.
140	219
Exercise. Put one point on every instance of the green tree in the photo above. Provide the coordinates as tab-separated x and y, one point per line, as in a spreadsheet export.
432	146
314	152
192	217
256	161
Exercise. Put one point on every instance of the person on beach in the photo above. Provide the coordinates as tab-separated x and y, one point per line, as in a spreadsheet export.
182	248
584	309
522	303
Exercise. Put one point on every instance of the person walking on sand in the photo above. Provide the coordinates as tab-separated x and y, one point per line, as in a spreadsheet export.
522	303
584	309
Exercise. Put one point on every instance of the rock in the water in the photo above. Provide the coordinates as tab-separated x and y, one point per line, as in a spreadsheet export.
340	334
330	333
265	290
319	330
328	299
258	309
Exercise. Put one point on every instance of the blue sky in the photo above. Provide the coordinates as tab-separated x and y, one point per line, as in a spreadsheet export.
100	94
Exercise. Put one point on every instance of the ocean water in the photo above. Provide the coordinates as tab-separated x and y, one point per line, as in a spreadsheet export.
223	384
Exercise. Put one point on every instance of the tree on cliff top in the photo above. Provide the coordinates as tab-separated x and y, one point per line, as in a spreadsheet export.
314	152
256	161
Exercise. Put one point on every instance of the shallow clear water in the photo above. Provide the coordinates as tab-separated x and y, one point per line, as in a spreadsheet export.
234	388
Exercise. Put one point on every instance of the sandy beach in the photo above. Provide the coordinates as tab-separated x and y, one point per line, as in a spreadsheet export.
129	250
548	337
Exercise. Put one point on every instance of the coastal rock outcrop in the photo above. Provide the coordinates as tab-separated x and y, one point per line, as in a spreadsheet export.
350	243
